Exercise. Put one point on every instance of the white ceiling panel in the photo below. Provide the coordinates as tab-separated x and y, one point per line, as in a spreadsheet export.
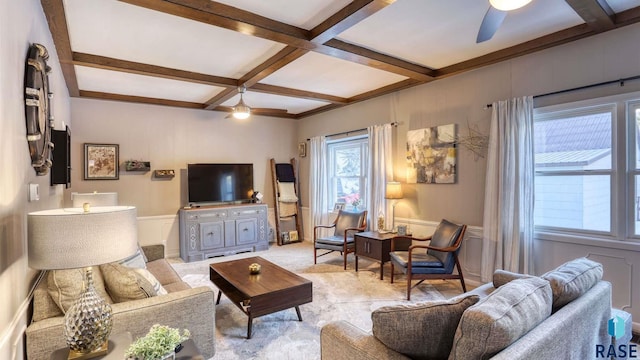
116	82
325	74
305	14
262	100
122	31
622	5
441	33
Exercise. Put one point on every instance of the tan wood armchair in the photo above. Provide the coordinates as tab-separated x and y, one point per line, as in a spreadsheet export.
346	224
435	263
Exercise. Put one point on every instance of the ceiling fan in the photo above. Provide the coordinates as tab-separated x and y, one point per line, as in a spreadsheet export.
242	111
495	16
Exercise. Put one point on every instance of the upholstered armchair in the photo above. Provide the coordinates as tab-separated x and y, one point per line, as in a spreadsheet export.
345	225
437	262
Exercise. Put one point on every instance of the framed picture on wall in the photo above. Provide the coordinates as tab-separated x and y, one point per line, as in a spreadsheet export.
302	149
101	162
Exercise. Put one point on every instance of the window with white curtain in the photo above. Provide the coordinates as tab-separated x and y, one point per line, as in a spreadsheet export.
347	170
587	168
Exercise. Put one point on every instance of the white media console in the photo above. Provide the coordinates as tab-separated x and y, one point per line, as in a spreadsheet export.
210	231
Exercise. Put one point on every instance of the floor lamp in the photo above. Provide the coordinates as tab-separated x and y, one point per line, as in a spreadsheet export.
76	238
393	192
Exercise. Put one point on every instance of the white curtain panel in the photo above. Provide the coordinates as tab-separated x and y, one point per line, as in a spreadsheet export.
318	188
508	202
380	171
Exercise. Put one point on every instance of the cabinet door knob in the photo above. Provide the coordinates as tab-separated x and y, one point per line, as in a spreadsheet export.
245	229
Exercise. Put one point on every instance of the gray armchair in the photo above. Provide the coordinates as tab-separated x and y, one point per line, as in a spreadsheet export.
435	263
345	225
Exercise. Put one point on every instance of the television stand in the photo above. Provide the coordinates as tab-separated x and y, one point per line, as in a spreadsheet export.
218	230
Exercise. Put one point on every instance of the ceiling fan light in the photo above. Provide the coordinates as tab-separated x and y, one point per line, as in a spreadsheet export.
507	5
241	111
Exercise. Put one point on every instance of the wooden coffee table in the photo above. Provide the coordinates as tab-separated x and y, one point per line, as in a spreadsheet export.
273	289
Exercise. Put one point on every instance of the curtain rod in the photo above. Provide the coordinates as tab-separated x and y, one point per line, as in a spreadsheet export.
395	123
620	81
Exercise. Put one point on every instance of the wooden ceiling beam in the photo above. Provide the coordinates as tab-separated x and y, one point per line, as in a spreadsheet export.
595	13
202	11
577	32
221	97
364	56
303	94
139	99
205	11
106	63
347	17
54	11
271	65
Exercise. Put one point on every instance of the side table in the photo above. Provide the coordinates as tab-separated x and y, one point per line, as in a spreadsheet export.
373	245
118	345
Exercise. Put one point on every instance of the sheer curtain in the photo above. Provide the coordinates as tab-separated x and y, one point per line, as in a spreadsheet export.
380	171
508	201
318	181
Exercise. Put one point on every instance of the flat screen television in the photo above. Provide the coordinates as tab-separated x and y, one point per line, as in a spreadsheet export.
219	183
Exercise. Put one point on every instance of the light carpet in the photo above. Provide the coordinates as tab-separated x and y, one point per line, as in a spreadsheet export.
337	295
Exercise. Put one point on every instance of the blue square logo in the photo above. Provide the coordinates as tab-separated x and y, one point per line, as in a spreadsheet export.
615	327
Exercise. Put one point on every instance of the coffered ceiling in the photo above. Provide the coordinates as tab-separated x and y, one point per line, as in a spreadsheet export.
297	57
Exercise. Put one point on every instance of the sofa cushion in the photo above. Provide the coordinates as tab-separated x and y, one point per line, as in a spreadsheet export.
572	279
501	318
125	284
65	286
421	331
501	277
43	305
163	271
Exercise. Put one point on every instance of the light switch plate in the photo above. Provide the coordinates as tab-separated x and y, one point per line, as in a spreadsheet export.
34	192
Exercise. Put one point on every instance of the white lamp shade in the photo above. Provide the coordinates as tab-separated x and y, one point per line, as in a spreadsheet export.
94	199
71	238
393	191
508	5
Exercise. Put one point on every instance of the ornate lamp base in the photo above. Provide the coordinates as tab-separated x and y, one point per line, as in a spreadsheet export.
88	323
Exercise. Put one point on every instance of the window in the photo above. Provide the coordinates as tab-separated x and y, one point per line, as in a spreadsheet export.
348	171
587	168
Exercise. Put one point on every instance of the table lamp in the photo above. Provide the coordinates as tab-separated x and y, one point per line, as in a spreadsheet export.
95	199
393	192
74	238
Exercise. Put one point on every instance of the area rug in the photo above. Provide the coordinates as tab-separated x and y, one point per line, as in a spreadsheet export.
337	295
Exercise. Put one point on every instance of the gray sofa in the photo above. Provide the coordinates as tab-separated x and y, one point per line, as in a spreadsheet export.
575	303
182	307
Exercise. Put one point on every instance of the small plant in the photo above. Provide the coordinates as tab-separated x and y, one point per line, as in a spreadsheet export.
159	341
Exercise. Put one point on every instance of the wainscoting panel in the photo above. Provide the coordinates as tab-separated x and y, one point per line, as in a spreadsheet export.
620	266
163	229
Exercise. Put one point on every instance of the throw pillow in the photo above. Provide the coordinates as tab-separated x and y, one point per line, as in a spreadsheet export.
501	277
422	331
157	287
501	318
137	260
125	284
43	305
572	279
65	286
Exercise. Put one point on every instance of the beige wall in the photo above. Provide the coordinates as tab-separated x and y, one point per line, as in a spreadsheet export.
21	23
461	99
170	138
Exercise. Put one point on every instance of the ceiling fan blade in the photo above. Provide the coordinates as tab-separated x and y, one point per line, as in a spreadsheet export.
490	24
268	110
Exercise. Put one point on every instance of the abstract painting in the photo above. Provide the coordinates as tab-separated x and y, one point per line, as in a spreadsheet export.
431	155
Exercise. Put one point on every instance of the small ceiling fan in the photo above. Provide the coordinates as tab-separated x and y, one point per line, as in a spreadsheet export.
242	111
495	16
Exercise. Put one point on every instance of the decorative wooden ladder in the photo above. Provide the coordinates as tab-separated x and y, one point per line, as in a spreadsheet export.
285	172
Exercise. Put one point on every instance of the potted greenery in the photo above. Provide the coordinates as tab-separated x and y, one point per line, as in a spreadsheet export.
159	343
